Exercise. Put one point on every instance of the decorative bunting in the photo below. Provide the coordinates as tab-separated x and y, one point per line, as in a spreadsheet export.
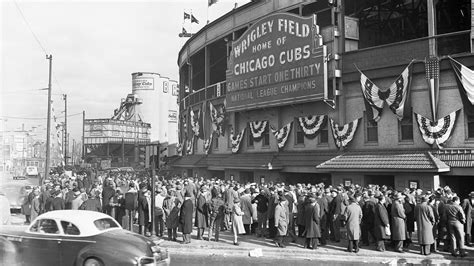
312	124
190	146
436	131
186	16
208	144
395	96
282	134
236	140
59	137
343	135
465	80
211	2
257	128
196	123
179	149
432	77
194	19
217	118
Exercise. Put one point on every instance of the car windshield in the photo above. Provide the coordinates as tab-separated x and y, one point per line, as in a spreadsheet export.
105	223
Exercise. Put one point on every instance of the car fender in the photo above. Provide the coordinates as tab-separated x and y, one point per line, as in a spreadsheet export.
107	254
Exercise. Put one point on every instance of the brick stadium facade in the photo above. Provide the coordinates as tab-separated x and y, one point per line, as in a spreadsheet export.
378	41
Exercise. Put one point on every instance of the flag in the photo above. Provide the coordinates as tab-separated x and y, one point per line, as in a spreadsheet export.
211	2
282	134
187	16
194	19
465	80
183	31
432	77
436	131
395	96
343	135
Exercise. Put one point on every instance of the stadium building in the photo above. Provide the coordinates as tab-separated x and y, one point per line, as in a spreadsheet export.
339	92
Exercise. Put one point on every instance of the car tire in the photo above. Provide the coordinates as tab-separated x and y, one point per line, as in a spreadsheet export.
93	262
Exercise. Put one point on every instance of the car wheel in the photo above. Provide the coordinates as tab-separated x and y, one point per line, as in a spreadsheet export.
93	262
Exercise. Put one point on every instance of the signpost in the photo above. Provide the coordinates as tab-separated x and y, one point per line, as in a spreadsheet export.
279	60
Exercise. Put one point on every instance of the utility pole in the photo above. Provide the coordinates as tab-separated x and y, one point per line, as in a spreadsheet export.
83	128
48	127
65	129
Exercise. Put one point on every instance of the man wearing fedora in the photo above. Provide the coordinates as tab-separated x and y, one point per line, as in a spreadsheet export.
425	220
456	218
467	208
312	221
398	222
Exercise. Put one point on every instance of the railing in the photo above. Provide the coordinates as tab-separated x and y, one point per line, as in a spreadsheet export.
207	93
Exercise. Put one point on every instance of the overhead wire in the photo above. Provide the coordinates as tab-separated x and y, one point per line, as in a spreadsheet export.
36	118
29	27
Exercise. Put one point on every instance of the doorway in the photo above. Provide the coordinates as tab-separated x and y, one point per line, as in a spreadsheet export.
246	177
381	180
461	185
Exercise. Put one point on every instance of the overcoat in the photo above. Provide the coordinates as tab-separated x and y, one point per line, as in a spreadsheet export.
312	220
380	221
202	212
353	214
246	206
237	224
171	210
143	216
467	208
323	212
425	220
186	216
300	207
398	222
35	208
281	219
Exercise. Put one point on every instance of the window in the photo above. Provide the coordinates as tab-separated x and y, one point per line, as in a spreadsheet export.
371	130
45	226
470	126
299	134
215	142
324	135
405	129
266	137
105	223
249	137
70	228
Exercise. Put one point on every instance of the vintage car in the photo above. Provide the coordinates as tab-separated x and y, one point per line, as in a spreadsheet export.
79	238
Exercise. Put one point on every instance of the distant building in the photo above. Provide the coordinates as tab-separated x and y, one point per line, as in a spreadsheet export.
295	66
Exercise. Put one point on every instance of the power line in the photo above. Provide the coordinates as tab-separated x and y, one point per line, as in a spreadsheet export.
29	27
37	118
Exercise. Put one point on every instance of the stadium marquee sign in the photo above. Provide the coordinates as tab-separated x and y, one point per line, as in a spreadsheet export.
279	60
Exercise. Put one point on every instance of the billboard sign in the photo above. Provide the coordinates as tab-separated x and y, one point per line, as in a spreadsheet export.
279	60
143	84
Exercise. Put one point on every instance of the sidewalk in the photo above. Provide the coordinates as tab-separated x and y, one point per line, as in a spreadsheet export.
261	247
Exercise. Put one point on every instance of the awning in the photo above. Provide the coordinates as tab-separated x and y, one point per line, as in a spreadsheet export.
188	161
213	162
386	161
252	161
463	158
304	161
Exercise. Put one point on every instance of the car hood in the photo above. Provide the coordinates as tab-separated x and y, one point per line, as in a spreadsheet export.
124	237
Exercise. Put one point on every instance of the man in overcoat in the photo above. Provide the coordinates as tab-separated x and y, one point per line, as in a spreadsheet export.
186	218
216	216
143	213
456	218
353	214
425	220
398	222
201	220
312	221
281	220
171	209
381	222
368	218
324	209
246	206
467	208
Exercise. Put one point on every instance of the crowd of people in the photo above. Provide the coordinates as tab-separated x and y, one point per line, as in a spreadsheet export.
282	212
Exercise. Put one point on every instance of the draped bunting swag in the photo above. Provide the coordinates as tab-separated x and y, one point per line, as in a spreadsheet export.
59	137
465	80
343	135
395	96
436	131
282	134
190	146
208	144
257	128
312	124
235	140
217	118
197	123
179	149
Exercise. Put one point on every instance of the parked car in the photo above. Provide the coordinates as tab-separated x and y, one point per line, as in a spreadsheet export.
77	237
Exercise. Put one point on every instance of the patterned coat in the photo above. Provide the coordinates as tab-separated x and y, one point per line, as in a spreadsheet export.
398	222
312	220
381	220
425	220
353	214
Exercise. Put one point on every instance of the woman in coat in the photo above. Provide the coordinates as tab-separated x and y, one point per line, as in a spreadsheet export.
381	222
186	218
353	214
312	219
201	221
399	231
425	220
237	224
281	220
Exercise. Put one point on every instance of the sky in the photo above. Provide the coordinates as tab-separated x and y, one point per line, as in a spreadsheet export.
95	46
